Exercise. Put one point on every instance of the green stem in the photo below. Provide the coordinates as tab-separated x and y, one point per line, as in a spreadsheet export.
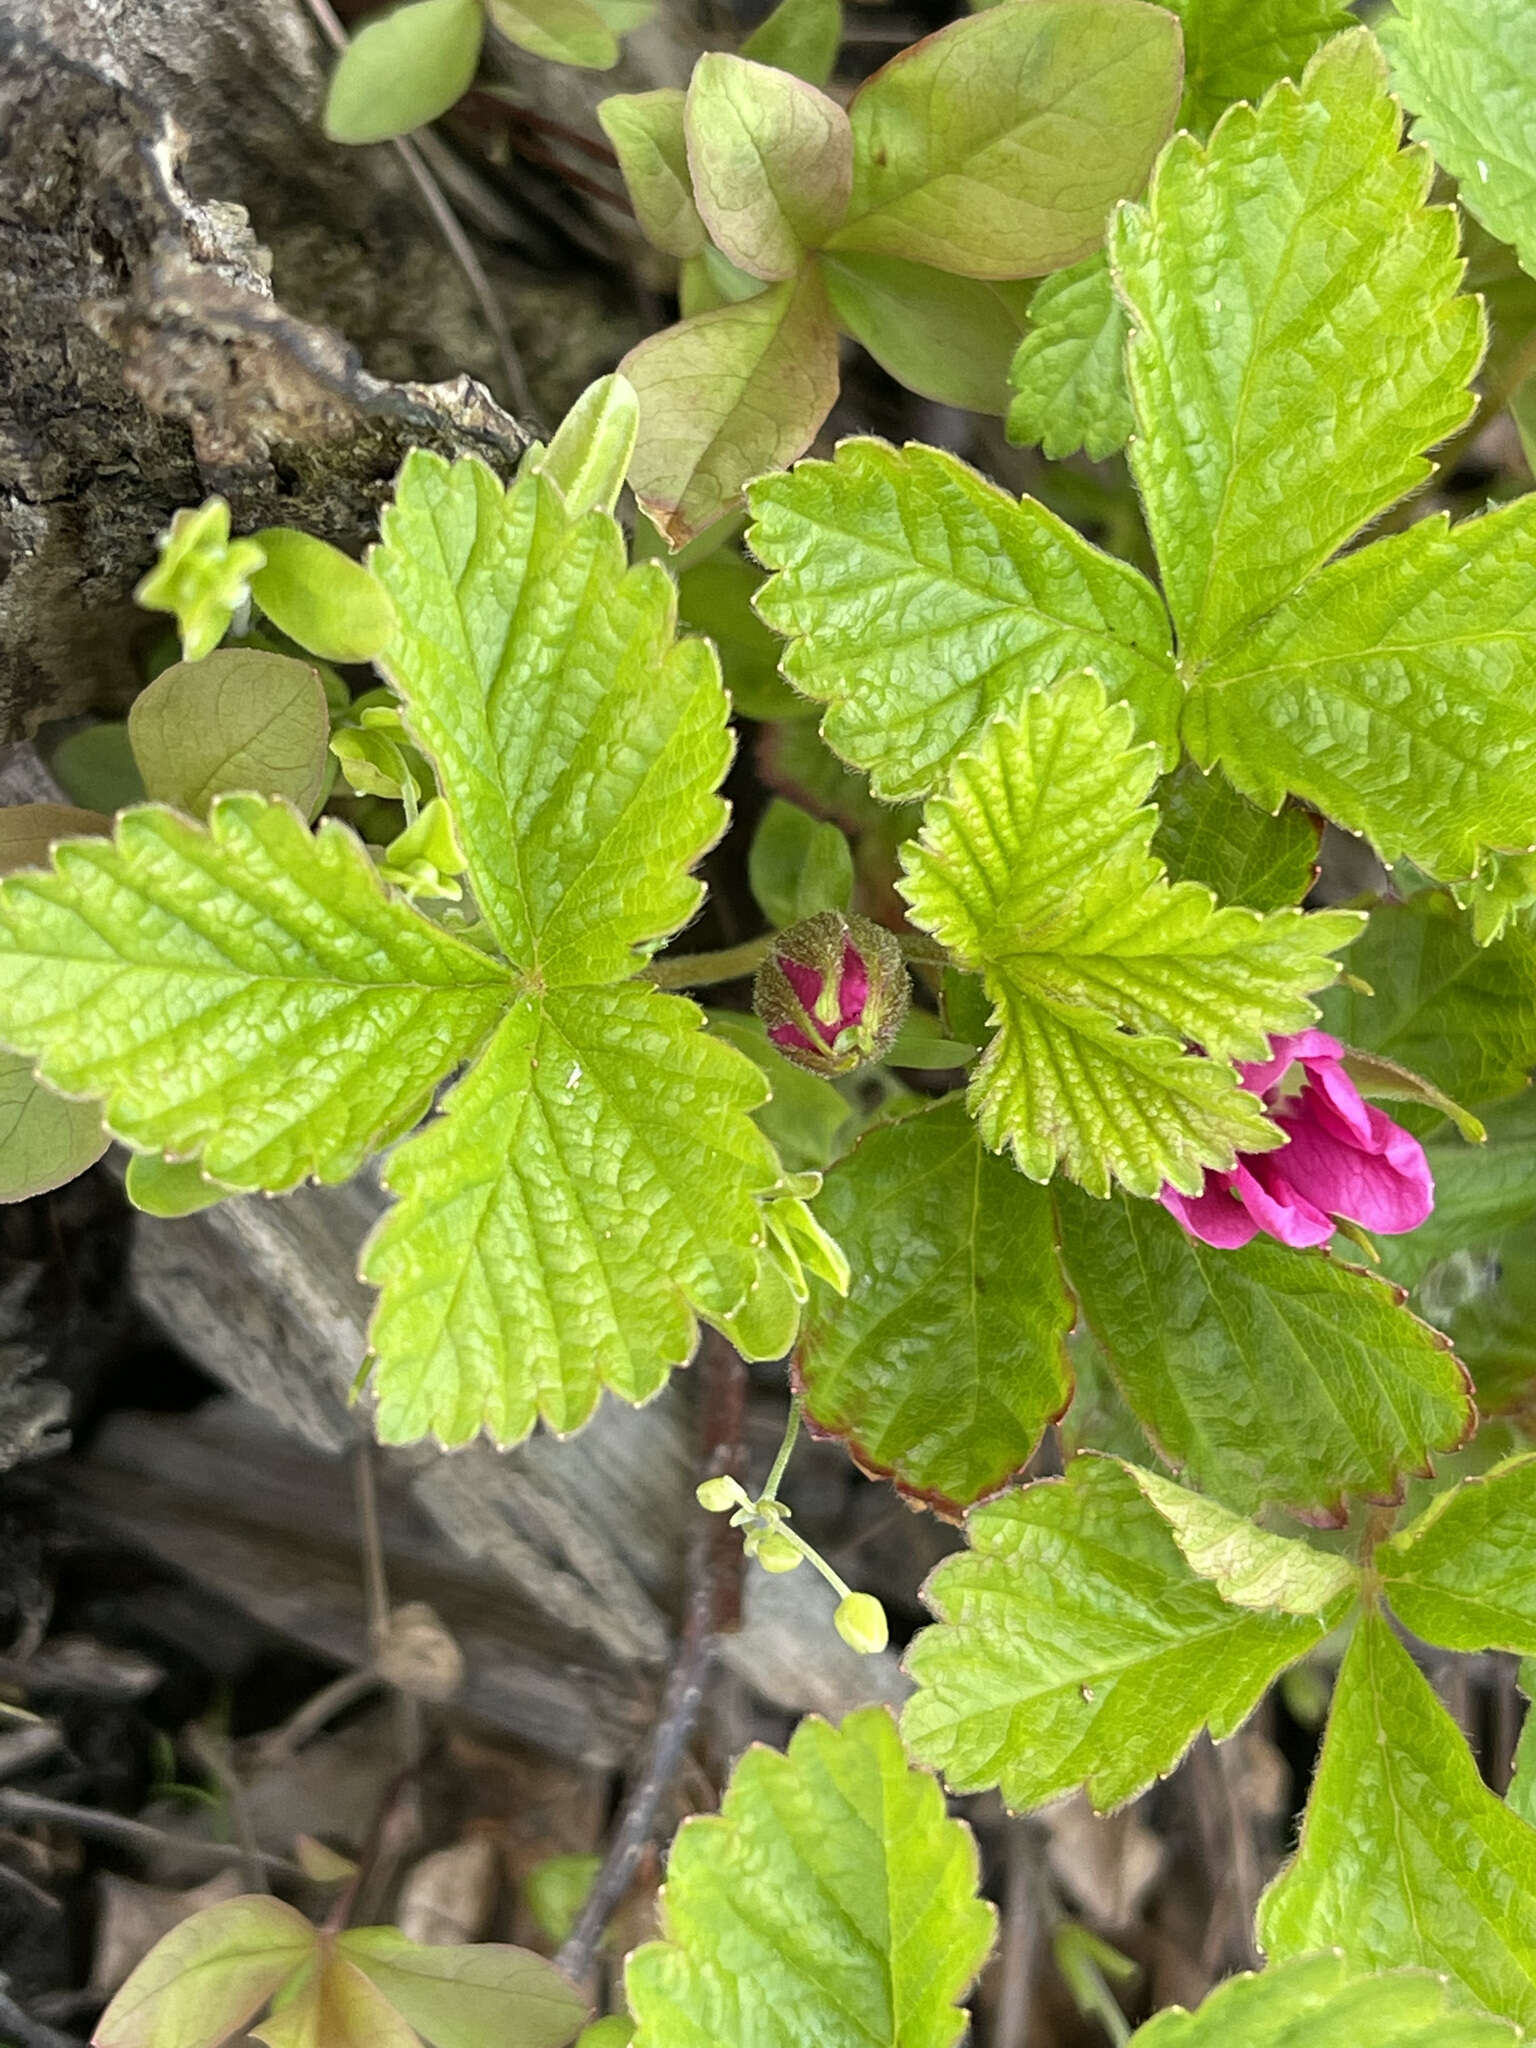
791	1431
735	963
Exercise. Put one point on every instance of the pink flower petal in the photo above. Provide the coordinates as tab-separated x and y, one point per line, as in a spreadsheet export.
1261	1075
1384	1185
852	988
1281	1210
1334	1100
1215	1215
791	1034
805	981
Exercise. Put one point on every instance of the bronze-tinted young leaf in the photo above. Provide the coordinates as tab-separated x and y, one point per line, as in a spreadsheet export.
45	1139
772	162
799	36
646	130
563	31
997	147
726	396
235	720
468	1996
209	1976
946	1360
945	337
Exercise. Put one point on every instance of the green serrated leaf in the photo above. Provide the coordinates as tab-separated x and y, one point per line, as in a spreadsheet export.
772	162
1249	1566
578	747
1406	1856
209	1976
1482	1192
805	1115
1396	691
1460	1014
320	597
714	597
800	36
1076	1647
798	865
1068	376
246	993
920	600
1521	1796
1266	1374
1271	280
831	1900
1461	1576
945	1363
1207	833
587	1190
1322	2002
1465	74
1034	870
997	147
726	395
234	720
44	1139
589	456
646	130
404	67
1236	49
561	31
466	1996
947	338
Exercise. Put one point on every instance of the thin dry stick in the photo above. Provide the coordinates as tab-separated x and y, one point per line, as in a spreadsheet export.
1022	1932
214	1756
134	1834
407	1712
452	232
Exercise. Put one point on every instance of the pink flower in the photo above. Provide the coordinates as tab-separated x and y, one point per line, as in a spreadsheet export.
1342	1158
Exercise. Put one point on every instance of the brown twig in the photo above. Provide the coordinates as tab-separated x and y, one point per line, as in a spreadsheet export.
133	1834
712	1601
1021	1934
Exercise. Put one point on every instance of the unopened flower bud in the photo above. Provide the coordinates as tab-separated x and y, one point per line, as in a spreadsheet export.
833	992
774	1551
860	1621
715	1494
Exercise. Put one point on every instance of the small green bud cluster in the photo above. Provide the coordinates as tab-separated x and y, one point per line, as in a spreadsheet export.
859	1620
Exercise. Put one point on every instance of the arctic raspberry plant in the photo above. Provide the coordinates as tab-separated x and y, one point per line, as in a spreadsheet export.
1065	1063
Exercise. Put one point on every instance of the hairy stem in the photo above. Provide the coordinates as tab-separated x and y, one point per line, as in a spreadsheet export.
734	963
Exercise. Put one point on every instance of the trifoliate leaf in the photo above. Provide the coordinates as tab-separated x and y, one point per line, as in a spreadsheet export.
1462	1015
404	67
1461	1575
831	1900
1465	74
320	597
29	832
1249	1566
1076	1647
1207	833
1322	2002
772	162
946	1361
1236	49
1068	377
801	36
921	599
209	1976
727	395
1396	691
1406	1856
560	31
587	1190
1034	871
466	1996
646	130
798	865
577	745
997	147
1298	342
44	1139
334	2006
1266	1374
235	720
947	338
247	993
